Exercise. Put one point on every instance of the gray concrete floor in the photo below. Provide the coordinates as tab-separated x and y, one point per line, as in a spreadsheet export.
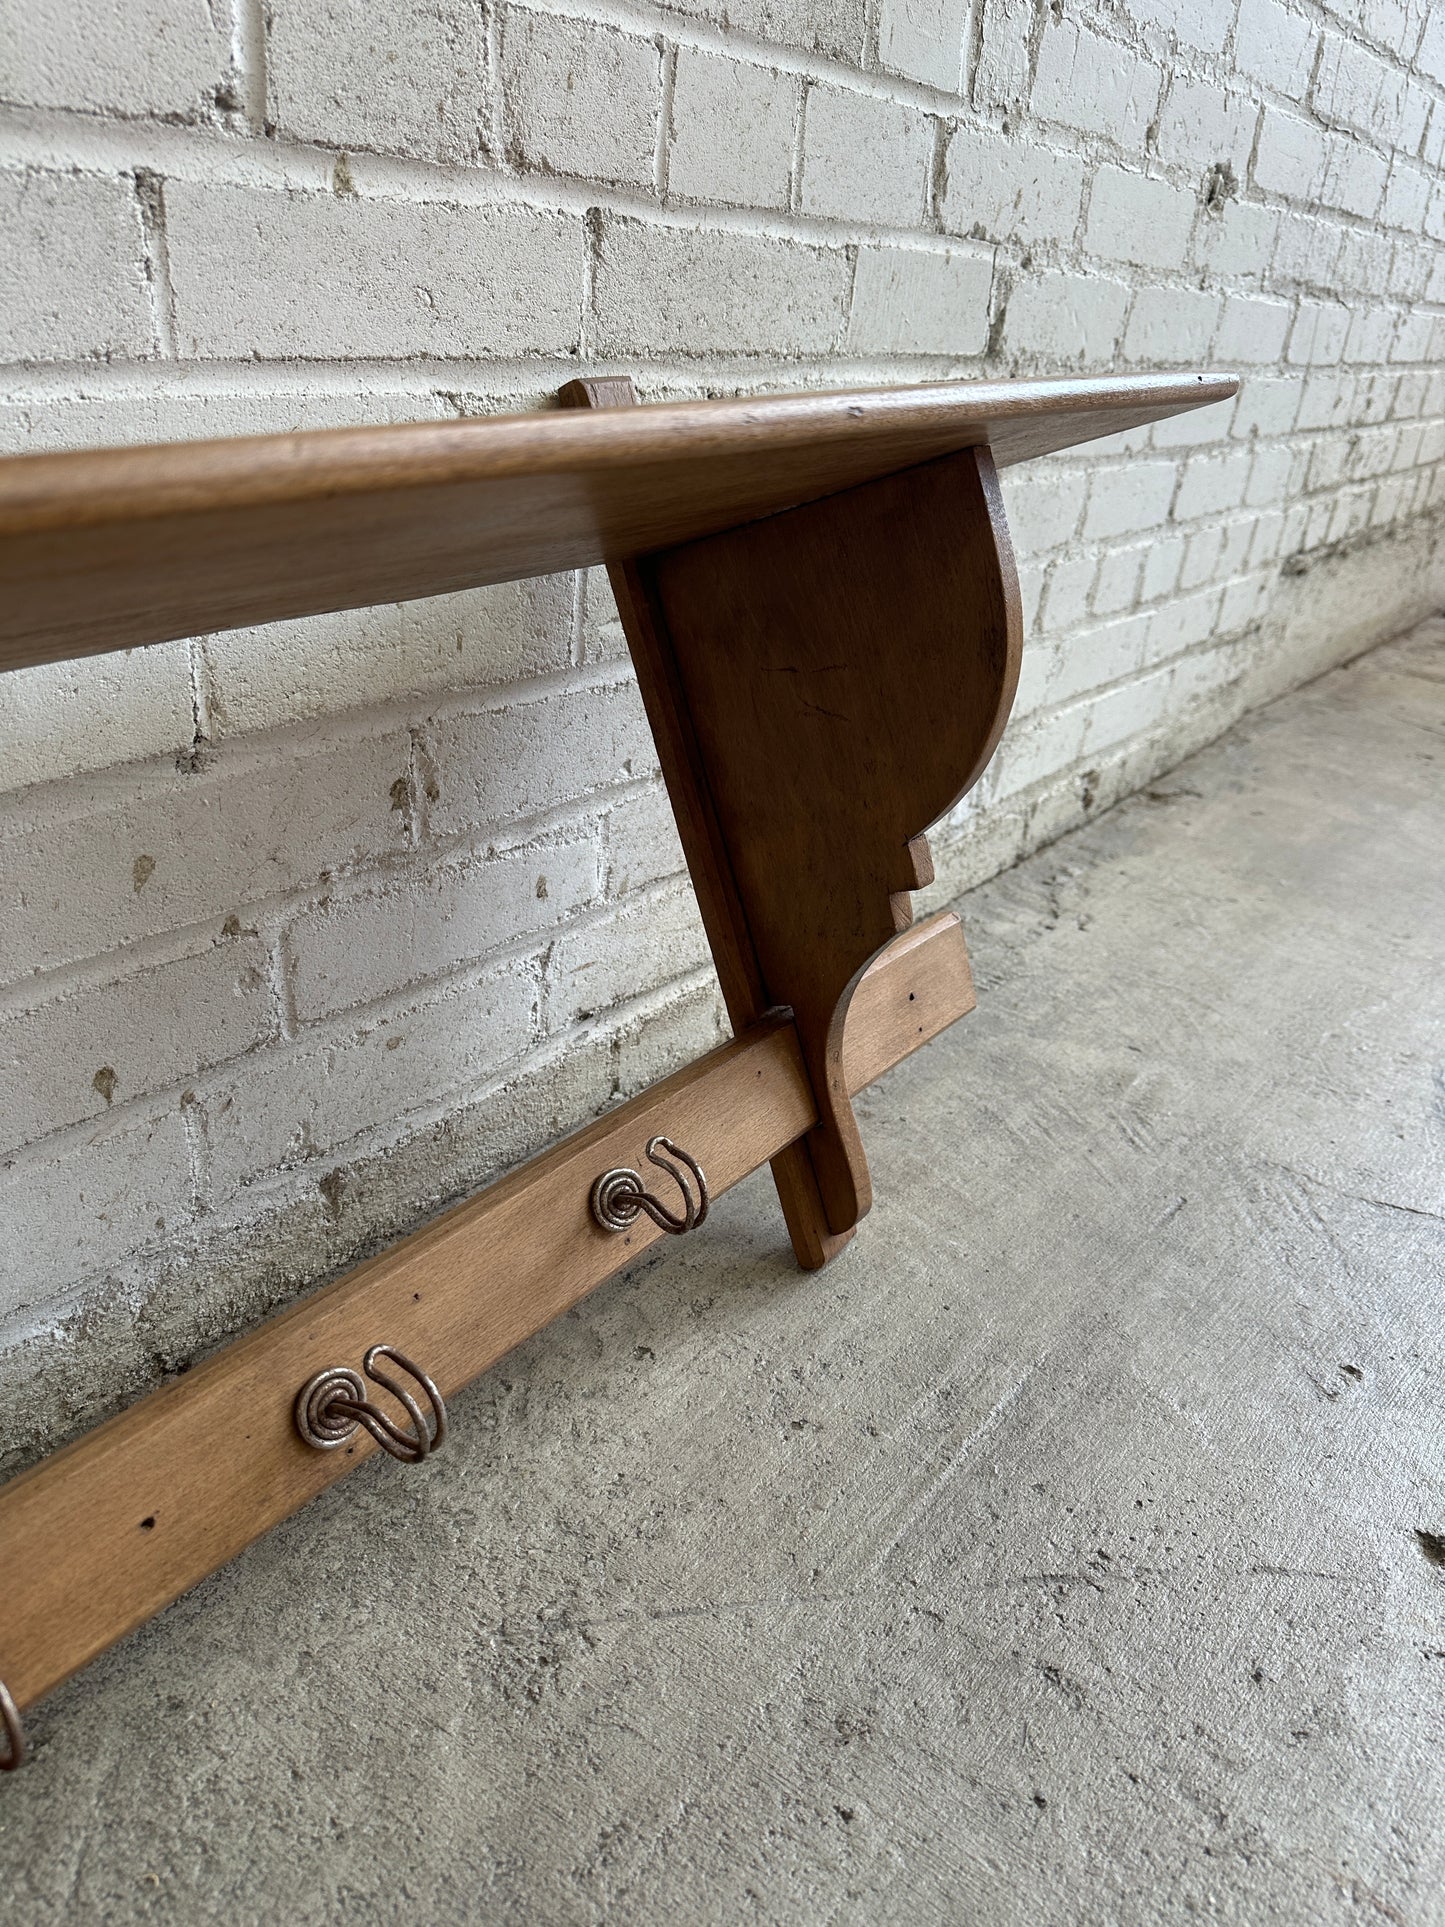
1064	1554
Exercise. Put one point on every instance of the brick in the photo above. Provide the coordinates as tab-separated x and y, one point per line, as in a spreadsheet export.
300	1103
608	961
157	57
665	1038
1097	657
1306	249
733	126
1035	671
1009	190
1123	500
916	301
1326	398
1275	45
1228	546
1206	427
1252	330
1268	537
1372	330
1319	332
75	1057
1203	125
1355	88
580	98
1126	711
1163	559
1354	178
1365	264
1430	54
1001	69
1043	503
1070	587
74	286
1045	745
924	40
602	638
277	275
1071	319
1237	240
359	946
673	290
1171	324
1414	340
74	1215
1031	592
269	677
1407	194
1137	219
531	757
406	80
1378	396
1203	24
1094	85
826	26
865	161
1117	587
1211	484
642	843
89	417
67	719
1415	272
134	857
1290	156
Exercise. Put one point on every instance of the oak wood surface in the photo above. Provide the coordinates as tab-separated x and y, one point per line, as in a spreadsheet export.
848	667
105	1532
107	549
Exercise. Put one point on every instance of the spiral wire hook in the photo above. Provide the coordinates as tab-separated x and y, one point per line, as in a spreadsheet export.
618	1196
330	1407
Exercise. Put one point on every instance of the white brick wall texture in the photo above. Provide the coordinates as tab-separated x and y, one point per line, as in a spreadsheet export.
308	929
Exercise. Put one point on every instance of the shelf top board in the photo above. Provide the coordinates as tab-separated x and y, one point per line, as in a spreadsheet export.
106	549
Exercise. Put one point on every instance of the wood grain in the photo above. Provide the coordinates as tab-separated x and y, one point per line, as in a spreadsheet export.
920	985
848	667
107	549
107	1531
708	862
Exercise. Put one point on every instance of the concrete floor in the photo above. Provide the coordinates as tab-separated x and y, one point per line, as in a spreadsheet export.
1067	1553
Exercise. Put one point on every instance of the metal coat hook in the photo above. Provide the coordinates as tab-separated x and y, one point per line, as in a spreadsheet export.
619	1195
17	1747
330	1407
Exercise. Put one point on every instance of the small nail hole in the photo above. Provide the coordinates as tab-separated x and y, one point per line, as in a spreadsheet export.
148	1525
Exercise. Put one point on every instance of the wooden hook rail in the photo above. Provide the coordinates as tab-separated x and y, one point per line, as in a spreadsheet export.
820	599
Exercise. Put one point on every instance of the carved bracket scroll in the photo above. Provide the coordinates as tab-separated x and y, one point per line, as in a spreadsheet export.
846	669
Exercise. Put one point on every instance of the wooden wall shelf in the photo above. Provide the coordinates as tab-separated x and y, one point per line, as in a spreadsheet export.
820	598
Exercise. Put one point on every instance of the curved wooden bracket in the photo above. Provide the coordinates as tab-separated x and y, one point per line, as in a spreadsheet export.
848	667
823	684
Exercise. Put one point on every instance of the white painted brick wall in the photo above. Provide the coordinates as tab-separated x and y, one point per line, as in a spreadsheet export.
307	928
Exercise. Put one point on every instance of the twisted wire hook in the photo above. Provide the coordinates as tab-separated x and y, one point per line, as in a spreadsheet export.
330	1406
17	1748
619	1195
